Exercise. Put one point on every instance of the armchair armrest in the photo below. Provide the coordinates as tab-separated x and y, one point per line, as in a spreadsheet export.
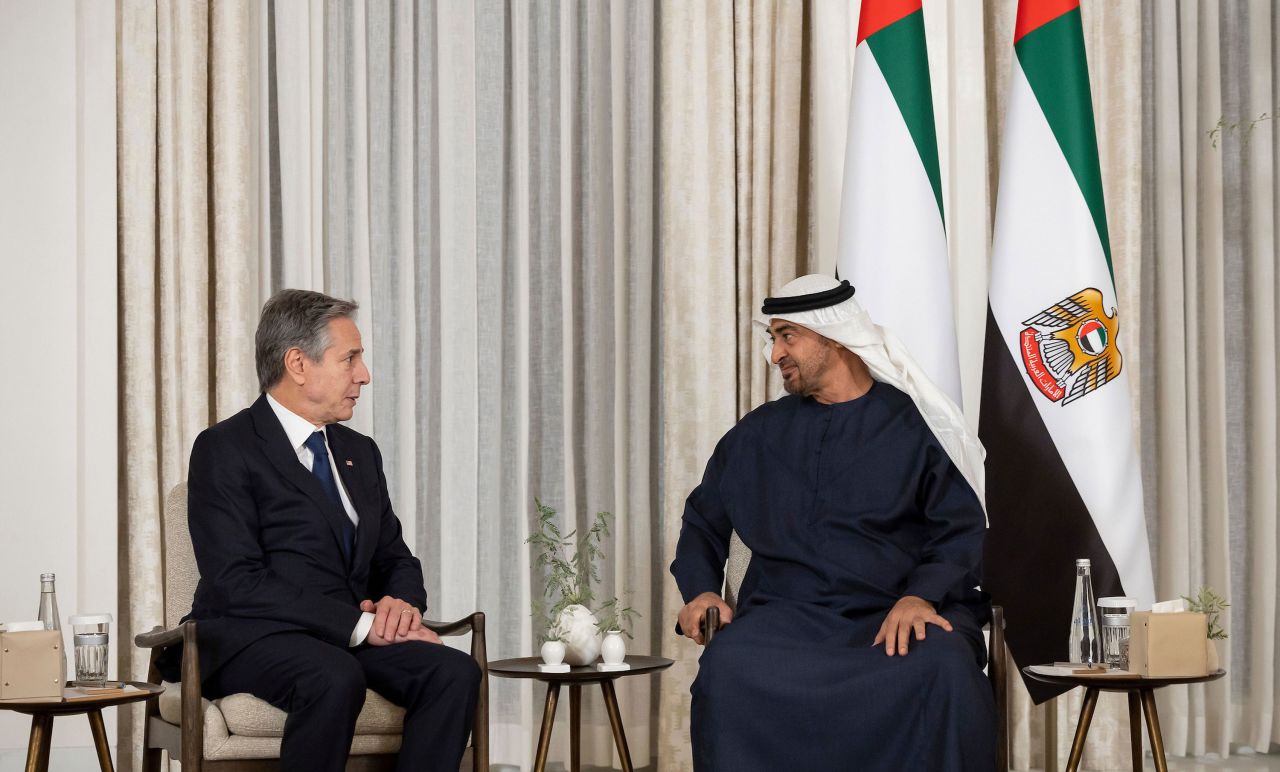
474	624
158	637
710	624
468	624
192	745
998	672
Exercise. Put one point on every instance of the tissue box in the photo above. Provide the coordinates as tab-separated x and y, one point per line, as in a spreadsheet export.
1167	645
31	665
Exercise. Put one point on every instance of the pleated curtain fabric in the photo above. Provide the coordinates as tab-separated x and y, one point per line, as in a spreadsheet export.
1209	398
699	302
772	179
186	291
481	179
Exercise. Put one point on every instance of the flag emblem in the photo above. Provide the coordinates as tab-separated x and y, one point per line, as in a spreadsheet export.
1068	349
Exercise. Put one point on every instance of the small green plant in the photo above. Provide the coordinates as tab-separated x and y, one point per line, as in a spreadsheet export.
569	564
1211	604
614	616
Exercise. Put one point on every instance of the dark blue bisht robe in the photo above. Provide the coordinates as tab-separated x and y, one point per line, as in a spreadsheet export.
846	508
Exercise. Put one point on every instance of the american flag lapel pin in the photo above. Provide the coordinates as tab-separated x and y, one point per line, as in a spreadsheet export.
350	464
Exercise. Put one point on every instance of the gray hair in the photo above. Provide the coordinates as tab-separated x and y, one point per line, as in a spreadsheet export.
295	318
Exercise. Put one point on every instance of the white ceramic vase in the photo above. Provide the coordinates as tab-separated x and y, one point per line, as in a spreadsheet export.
553	652
576	626
614	649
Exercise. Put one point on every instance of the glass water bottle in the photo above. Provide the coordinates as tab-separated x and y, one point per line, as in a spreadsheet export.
48	603
49	612
1085	636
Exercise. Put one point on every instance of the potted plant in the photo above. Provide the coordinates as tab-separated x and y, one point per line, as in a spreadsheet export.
1211	604
569	564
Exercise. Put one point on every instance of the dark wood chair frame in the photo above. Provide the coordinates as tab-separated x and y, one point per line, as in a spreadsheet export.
997	673
185	743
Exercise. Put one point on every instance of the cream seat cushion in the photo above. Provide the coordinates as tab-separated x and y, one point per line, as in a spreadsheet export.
241	726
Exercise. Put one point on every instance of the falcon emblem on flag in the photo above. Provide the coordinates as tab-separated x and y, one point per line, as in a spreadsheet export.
1069	349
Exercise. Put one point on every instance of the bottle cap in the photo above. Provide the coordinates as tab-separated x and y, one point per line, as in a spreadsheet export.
46	577
1082	563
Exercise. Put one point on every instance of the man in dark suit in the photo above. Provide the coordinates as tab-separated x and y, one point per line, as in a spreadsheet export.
307	591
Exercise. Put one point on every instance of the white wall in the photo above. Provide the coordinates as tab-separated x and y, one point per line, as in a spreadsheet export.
58	466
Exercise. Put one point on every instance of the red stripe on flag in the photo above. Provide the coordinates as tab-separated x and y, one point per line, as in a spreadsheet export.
875	15
1033	14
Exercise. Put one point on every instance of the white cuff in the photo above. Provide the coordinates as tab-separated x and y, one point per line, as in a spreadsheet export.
361	632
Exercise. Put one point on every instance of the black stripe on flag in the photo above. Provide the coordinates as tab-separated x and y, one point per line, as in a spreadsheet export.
1039	524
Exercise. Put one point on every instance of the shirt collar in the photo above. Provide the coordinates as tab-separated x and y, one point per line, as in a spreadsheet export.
296	428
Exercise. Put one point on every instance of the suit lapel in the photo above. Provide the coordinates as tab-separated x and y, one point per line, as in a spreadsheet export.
346	460
275	445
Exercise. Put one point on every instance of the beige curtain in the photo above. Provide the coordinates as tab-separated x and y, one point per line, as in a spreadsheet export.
184	225
488	172
1208	272
698	297
480	178
771	162
735	224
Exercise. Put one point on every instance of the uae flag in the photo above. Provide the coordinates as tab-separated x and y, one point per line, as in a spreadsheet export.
892	245
1063	480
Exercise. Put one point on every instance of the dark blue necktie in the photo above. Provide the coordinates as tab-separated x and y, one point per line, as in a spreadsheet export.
324	473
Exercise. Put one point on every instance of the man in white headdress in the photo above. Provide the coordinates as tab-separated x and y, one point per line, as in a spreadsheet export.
857	638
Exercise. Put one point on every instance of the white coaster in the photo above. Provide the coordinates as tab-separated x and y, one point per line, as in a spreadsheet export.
563	667
605	668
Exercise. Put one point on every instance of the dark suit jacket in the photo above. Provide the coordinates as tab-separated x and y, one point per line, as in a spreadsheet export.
267	538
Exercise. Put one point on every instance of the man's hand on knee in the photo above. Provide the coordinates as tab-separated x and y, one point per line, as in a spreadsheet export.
909	614
691	615
395	620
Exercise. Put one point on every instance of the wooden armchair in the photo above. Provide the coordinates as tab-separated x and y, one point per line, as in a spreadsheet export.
241	733
997	656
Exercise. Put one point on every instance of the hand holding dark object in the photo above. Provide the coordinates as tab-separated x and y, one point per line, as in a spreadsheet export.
691	615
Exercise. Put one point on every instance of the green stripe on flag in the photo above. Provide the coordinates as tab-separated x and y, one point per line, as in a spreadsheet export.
1053	58
900	51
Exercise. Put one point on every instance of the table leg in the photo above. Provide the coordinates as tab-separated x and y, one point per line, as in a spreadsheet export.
575	727
615	720
1082	729
1153	729
100	740
1051	735
38	745
548	718
1135	728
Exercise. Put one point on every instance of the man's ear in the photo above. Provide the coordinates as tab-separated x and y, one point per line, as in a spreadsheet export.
295	365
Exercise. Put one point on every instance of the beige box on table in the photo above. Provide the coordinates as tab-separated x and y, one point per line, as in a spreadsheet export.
31	665
1168	645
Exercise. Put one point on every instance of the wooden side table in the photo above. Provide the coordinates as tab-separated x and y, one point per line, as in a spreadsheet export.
527	667
43	713
1142	700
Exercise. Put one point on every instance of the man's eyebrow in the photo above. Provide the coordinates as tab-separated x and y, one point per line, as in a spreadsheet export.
782	328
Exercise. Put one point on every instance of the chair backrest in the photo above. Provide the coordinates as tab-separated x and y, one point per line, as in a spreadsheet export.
735	568
180	571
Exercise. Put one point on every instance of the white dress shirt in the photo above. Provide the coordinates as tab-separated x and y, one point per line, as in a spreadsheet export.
299	430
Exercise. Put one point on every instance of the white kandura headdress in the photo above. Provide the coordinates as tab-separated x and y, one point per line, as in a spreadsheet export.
826	306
